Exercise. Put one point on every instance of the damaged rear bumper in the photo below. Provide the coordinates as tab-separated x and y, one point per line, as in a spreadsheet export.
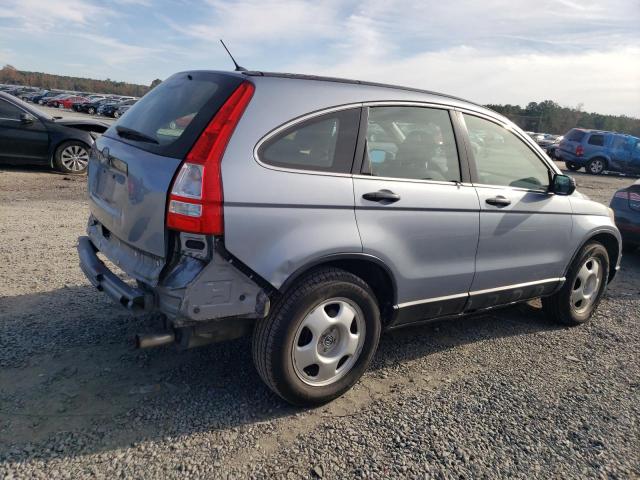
189	292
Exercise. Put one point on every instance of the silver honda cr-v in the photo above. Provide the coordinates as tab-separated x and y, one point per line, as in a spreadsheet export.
318	212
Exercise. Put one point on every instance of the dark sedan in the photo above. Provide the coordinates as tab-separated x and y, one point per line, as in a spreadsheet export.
92	107
113	109
626	206
29	137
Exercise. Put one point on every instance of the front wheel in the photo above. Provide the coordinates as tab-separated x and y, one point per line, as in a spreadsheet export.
72	157
584	286
91	111
319	339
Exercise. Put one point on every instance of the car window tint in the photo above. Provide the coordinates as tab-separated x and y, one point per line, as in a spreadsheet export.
176	112
9	111
596	140
411	142
324	143
504	159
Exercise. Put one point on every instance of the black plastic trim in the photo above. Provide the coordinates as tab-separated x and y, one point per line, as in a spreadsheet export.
105	280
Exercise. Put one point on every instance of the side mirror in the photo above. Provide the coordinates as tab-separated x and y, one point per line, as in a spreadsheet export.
26	118
563	185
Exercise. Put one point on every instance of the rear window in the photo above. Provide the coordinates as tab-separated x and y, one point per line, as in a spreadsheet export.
175	112
596	140
575	135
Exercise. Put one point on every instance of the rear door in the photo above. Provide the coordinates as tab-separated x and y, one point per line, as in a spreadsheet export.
130	174
412	210
524	229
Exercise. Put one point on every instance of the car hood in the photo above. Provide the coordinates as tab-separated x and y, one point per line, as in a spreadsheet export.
72	122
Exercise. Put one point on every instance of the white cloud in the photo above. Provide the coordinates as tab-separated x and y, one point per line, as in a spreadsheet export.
36	15
605	82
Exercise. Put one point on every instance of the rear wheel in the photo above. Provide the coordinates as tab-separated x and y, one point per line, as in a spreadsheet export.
596	166
319	339
572	166
91	111
72	157
585	284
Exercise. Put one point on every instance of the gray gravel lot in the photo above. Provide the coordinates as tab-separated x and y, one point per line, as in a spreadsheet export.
502	395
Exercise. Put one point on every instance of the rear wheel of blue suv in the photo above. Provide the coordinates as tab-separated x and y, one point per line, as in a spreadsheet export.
317	213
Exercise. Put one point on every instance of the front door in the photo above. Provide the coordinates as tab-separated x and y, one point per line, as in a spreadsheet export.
21	142
524	229
412	211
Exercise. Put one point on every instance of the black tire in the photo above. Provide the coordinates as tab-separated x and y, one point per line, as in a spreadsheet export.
91	111
596	166
274	337
59	161
116	114
559	306
572	166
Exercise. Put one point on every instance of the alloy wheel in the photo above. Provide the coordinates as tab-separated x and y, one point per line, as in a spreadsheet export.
596	166
74	158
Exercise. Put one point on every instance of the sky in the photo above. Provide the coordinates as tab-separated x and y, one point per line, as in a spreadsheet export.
575	52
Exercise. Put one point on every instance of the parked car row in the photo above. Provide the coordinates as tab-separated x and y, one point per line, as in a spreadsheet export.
78	101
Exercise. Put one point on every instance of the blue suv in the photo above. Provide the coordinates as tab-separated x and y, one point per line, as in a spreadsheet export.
597	151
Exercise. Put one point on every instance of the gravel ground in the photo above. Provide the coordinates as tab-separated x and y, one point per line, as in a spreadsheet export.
501	395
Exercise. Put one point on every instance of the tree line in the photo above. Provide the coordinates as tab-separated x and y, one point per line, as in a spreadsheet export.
10	75
549	117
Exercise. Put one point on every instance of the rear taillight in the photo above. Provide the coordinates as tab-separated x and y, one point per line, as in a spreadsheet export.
195	201
579	151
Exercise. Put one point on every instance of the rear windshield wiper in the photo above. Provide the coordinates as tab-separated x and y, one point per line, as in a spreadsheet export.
131	134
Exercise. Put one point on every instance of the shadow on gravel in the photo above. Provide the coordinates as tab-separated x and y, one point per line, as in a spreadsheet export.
27	168
71	382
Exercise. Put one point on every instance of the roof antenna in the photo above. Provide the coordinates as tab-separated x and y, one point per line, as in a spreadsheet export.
238	67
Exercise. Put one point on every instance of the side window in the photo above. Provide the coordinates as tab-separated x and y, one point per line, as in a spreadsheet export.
9	111
411	142
502	158
596	140
325	143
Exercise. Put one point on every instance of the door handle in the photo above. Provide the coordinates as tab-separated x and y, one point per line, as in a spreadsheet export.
386	196
498	201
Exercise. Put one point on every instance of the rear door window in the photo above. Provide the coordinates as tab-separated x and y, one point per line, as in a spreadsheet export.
596	140
325	143
175	112
412	143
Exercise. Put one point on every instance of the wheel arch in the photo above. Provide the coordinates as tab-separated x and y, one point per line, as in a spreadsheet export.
610	243
371	269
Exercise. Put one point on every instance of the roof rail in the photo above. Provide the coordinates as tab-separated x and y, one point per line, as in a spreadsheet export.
299	76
